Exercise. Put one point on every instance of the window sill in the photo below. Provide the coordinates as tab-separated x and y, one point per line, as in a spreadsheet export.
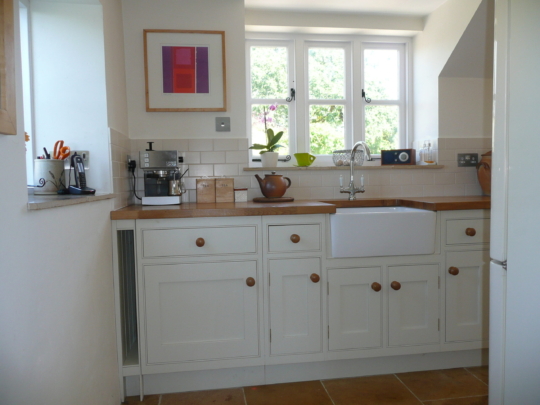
347	168
46	201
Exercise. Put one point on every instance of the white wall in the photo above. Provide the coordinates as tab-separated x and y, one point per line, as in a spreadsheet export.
211	15
465	107
69	82
432	48
57	327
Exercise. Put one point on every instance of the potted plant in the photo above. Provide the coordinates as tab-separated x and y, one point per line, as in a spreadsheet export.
269	156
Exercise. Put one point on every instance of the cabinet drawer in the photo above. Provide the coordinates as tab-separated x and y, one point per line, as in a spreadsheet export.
294	238
199	241
467	231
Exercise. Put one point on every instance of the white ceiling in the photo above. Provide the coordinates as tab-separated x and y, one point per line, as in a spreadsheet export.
394	7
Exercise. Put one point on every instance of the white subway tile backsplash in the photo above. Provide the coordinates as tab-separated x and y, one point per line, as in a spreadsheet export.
201	170
225	170
310	180
435	190
322	192
181	145
243	144
200	145
444	178
192	157
454	189
213	157
225	144
236	157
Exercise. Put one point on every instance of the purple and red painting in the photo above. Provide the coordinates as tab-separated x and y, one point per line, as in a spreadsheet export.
185	69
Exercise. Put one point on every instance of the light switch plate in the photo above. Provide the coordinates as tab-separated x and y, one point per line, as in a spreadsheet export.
223	124
467	159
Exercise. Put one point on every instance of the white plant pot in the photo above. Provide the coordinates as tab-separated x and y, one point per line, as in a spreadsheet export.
269	159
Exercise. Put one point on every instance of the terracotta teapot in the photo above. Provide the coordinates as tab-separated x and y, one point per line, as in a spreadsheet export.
484	173
273	185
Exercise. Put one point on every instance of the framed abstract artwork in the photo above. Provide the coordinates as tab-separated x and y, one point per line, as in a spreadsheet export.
8	111
184	70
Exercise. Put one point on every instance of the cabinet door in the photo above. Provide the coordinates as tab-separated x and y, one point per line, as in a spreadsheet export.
200	311
413	304
467	296
355	308
295	306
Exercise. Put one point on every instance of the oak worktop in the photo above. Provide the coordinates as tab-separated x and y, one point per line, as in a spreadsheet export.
195	210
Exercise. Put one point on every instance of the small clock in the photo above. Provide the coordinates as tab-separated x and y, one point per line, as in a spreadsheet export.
398	157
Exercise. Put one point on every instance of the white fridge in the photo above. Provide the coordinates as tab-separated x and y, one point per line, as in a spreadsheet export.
514	357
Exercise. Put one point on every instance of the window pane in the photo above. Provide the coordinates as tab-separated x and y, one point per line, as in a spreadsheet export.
277	119
269	72
382	127
326	129
326	74
381	74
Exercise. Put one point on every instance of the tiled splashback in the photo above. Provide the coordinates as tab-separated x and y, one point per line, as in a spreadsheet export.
228	157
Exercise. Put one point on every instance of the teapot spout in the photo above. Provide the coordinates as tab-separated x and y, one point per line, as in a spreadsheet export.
261	181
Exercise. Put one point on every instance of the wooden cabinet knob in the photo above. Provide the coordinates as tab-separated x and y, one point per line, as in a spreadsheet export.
376	287
314	277
453	271
199	242
250	281
396	285
295	238
470	231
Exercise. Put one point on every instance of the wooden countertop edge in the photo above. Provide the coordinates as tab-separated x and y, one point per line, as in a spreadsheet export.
301	207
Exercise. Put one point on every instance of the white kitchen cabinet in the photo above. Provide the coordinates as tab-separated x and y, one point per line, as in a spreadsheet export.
355	308
200	311
295	305
413	304
467	295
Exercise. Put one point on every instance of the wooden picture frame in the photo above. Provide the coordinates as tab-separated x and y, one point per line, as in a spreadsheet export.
184	70
8	109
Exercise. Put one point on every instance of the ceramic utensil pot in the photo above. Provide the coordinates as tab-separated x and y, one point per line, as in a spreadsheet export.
273	185
484	173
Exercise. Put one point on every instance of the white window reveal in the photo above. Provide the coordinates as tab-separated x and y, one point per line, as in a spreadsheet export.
327	93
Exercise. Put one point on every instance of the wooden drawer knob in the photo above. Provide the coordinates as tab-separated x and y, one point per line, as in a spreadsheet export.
295	238
396	285
470	231
250	281
376	287
314	277
199	242
453	271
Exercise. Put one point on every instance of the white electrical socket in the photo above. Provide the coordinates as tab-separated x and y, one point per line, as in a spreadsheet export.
85	157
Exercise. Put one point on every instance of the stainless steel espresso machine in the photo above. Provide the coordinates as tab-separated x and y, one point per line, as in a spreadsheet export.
162	185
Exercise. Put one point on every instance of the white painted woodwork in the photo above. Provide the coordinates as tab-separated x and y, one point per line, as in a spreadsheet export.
467	296
295	306
279	238
217	241
455	231
413	310
200	311
354	308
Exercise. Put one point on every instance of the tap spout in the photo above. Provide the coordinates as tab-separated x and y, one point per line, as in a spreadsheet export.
352	190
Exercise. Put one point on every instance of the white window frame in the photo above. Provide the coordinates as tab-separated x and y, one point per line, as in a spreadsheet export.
289	45
355	106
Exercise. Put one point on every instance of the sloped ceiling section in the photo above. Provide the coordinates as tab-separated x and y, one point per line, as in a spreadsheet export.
473	55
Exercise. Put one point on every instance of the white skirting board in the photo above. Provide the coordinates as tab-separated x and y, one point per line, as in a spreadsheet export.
284	373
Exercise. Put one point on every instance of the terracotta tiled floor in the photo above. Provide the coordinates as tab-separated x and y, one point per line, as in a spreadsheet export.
458	386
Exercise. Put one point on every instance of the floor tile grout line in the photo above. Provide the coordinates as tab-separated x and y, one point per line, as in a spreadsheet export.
474	375
244	394
449	399
405	385
327	393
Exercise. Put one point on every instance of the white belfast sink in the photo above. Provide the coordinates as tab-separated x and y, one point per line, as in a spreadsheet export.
382	231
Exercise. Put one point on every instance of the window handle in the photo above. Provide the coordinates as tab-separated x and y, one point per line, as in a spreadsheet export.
368	100
292	97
